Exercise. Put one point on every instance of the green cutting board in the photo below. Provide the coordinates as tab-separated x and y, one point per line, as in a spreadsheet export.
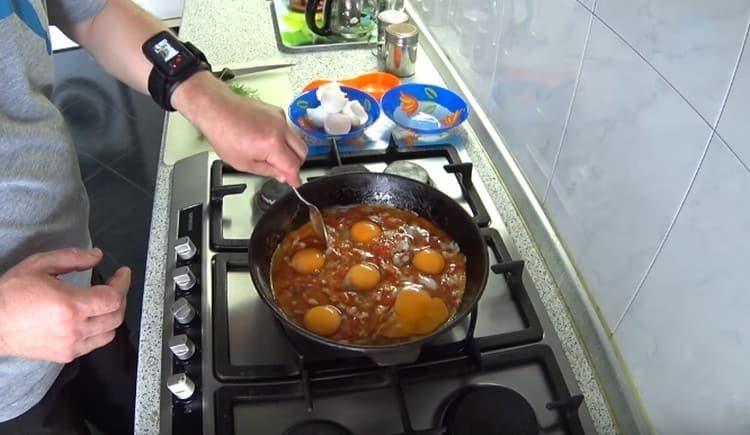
183	140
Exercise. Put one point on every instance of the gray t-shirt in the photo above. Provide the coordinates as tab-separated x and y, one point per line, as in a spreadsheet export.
43	203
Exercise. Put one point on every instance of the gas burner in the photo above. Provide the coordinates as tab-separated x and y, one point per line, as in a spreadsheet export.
318	427
269	193
348	169
408	169
489	410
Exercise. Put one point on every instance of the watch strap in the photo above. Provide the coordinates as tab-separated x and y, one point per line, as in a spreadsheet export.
157	87
162	87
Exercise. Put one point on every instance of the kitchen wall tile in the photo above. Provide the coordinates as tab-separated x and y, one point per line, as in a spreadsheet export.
588	3
630	151
733	126
685	338
468	32
693	43
539	55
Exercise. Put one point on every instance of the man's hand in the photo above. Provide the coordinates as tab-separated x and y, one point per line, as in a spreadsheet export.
43	318
249	135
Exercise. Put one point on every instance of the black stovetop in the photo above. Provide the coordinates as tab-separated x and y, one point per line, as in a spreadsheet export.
494	373
516	392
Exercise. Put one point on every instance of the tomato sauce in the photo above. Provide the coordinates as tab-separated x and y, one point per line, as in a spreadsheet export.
388	276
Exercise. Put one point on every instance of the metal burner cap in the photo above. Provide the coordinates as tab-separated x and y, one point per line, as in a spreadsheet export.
489	409
408	169
318	427
270	192
348	169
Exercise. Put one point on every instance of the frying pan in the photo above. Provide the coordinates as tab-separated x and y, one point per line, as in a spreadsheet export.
289	213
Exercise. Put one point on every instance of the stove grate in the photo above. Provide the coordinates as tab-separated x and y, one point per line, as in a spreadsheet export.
227	371
564	405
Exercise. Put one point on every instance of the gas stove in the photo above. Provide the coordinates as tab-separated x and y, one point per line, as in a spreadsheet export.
229	367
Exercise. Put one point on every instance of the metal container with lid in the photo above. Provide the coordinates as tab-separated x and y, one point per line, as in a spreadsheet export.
385	19
401	49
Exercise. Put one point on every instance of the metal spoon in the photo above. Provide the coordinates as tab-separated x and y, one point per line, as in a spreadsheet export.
316	218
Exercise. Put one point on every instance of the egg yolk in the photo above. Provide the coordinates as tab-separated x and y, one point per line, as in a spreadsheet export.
308	260
429	261
417	313
364	231
323	320
363	276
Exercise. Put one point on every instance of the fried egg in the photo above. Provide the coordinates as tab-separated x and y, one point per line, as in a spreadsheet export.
363	277
417	313
308	260
364	231
323	320
429	261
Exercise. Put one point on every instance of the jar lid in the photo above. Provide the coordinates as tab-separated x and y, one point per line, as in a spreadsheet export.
403	33
393	16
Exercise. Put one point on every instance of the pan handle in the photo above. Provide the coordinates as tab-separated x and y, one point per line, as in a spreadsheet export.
405	354
463	174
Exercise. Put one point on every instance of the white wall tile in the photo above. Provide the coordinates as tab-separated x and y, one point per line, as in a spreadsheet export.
588	3
539	55
734	126
694	43
468	33
631	148
686	338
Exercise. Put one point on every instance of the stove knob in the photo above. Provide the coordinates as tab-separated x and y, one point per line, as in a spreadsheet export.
185	248
182	347
182	311
181	386
184	278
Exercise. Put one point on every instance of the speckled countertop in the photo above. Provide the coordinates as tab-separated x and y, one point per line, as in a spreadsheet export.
236	31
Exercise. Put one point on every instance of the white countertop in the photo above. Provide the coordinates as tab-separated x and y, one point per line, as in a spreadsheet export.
240	31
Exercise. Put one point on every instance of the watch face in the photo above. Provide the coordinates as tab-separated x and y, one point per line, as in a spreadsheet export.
164	49
170	56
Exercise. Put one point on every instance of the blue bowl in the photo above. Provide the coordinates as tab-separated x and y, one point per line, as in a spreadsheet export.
424	109
298	113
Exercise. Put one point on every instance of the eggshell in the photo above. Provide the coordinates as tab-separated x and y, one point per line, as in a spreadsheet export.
317	116
333	101
328	87
337	124
355	112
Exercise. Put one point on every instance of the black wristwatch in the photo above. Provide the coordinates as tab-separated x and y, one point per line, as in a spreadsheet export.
174	62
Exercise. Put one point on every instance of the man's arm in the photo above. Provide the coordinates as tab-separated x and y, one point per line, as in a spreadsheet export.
114	37
249	135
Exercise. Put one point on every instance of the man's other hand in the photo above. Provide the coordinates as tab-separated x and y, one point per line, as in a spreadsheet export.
42	317
248	134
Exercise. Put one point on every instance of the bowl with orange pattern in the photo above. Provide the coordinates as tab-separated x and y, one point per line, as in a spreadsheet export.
424	109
